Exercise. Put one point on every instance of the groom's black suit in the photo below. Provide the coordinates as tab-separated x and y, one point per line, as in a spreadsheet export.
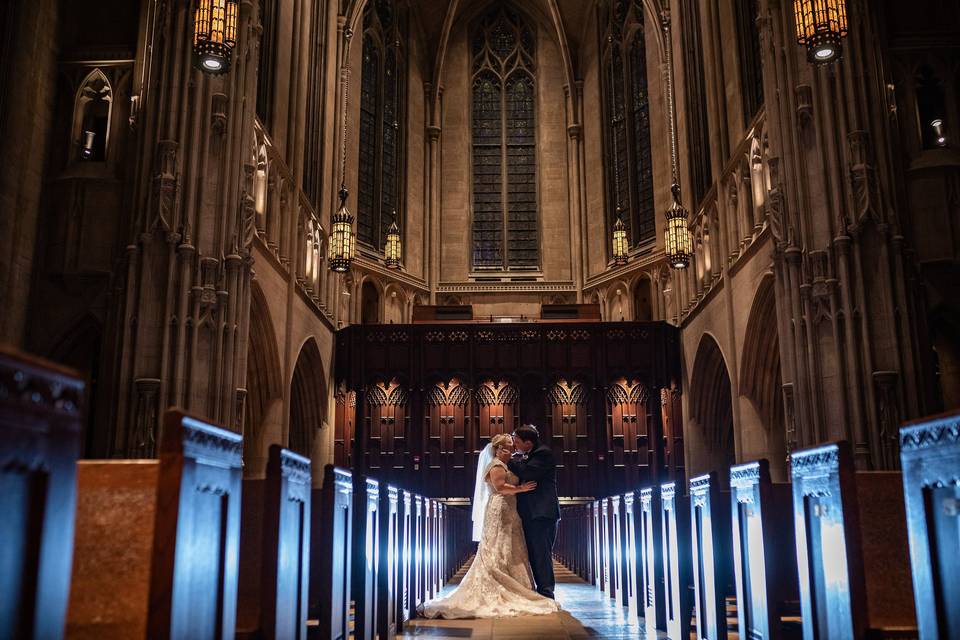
539	510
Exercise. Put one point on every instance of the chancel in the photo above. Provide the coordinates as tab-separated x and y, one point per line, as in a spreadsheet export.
479	318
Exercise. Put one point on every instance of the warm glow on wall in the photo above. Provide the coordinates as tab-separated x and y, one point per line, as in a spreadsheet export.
214	34
821	27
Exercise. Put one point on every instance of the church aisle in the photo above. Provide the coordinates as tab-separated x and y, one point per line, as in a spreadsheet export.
587	614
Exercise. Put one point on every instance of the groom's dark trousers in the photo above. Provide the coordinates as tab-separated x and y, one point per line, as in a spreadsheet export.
540	511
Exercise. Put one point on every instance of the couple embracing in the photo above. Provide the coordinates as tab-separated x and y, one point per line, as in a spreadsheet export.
515	514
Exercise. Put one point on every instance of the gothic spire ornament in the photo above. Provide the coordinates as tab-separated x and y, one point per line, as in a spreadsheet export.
821	27
214	35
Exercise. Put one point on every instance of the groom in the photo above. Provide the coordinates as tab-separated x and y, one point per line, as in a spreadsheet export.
539	509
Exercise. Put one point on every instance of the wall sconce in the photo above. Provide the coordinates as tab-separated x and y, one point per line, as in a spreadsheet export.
86	147
940	136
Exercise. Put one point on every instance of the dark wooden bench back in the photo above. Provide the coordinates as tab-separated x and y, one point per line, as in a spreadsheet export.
764	556
632	567
930	454
389	600
609	586
331	591
711	554
651	559
158	540
286	545
366	555
40	420
850	583
678	598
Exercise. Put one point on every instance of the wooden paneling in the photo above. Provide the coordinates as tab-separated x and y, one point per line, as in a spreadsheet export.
710	555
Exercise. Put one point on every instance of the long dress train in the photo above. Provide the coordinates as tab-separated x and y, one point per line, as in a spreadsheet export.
499	583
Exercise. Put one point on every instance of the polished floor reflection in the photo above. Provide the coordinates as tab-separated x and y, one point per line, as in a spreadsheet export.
587	614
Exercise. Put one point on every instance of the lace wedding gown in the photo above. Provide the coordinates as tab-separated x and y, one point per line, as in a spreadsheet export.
499	583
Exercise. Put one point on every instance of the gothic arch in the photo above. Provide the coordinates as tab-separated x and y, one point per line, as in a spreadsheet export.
92	113
263	382
308	398
371	301
643	292
80	349
711	405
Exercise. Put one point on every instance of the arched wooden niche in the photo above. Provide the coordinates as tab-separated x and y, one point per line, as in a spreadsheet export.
387	425
346	411
628	442
496	409
567	422
450	462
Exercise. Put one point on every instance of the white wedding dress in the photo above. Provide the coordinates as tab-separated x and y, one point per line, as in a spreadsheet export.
499	583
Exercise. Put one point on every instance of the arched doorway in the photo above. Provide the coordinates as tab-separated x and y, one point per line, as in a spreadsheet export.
79	349
711	408
762	424
643	300
263	384
369	303
308	398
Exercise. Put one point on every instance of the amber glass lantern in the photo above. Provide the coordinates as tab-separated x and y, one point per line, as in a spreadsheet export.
392	249
342	242
620	244
677	242
214	34
821	27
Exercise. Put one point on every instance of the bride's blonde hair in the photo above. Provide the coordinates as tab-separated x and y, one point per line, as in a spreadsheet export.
502	439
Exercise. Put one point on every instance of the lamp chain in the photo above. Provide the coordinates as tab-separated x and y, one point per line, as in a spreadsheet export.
347	34
671	107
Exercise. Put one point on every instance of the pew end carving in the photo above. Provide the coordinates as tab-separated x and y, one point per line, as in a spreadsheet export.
930	457
711	557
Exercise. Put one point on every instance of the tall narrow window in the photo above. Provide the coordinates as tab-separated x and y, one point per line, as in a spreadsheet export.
627	116
698	132
751	73
268	48
505	228
381	86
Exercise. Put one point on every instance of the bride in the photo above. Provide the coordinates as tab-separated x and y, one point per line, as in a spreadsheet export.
499	582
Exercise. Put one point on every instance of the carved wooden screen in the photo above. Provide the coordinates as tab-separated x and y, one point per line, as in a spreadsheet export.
346	412
503	47
448	456
627	437
378	192
567	421
497	411
627	114
386	420
672	432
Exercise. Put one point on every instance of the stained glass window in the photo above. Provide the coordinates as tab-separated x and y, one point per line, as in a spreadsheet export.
629	166
268	48
505	212
751	73
381	139
698	135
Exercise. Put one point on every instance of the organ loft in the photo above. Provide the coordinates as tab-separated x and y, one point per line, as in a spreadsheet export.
283	282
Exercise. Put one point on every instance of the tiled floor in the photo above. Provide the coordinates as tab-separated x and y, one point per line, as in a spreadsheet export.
587	614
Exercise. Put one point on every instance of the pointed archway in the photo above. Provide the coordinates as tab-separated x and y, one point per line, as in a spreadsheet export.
308	398
711	408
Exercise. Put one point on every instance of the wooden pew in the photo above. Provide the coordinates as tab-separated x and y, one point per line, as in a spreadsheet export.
678	598
711	555
598	574
418	587
618	559
157	541
275	549
606	542
764	560
651	561
930	455
852	552
389	597
366	555
407	551
330	592
633	575
40	423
